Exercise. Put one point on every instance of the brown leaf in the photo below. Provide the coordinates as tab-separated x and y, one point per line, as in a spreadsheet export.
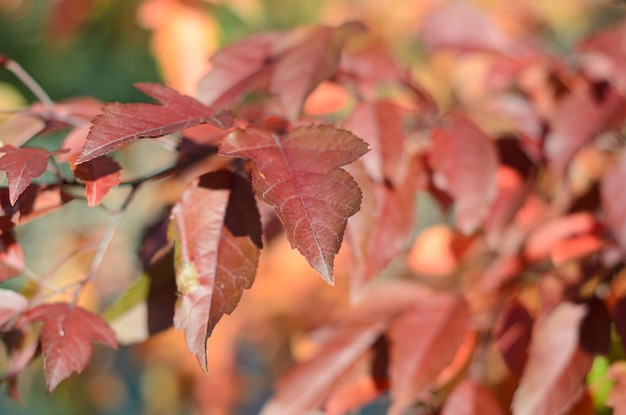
424	340
121	124
554	375
299	175
613	197
217	232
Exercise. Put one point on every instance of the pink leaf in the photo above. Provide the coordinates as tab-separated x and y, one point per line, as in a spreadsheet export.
554	375
11	256
471	398
11	304
299	175
465	162
121	124
99	175
217	232
305	58
67	337
617	397
22	166
604	57
424	340
236	70
513	333
613	197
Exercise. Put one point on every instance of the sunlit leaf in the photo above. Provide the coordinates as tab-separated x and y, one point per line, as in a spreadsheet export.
22	166
99	175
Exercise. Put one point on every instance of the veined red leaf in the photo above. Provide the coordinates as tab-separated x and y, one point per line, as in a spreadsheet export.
217	232
305	58
613	197
11	304
554	375
580	116
22	166
306	386
299	174
99	175
237	68
471	398
465	162
121	124
424	340
67	337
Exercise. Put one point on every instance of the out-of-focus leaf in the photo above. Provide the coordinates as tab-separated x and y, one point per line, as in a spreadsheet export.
471	398
67	337
305	58
424	340
217	232
580	117
236	70
617	397
603	56
100	175
465	162
35	202
299	174
121	124
613	197
20	129
11	304
554	375
22	166
513	333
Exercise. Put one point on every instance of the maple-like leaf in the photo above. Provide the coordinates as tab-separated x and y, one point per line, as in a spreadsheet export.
465	162
99	175
237	69
471	398
424	340
554	375
217	232
22	166
11	304
305	58
299	174
66	338
121	124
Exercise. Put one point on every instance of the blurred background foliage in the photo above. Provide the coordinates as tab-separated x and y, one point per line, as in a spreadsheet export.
99	48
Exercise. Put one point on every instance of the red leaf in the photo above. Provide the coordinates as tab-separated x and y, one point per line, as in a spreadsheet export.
67	337
236	70
306	57
22	166
617	397
465	162
424	340
513	333
471	398
11	304
99	175
121	124
217	231
306	385
613	196
554	375
579	118
604	57
299	175
11	256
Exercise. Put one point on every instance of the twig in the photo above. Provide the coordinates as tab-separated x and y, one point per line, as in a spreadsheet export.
31	84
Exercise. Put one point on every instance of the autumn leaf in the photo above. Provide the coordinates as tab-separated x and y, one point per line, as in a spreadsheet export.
424	340
217	232
471	398
99	175
11	256
67	337
613	197
11	304
22	166
299	175
305	58
121	124
603	56
306	386
513	333
236	70
465	162
617	397
547	389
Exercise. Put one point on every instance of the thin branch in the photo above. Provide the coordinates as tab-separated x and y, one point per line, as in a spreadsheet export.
31	84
